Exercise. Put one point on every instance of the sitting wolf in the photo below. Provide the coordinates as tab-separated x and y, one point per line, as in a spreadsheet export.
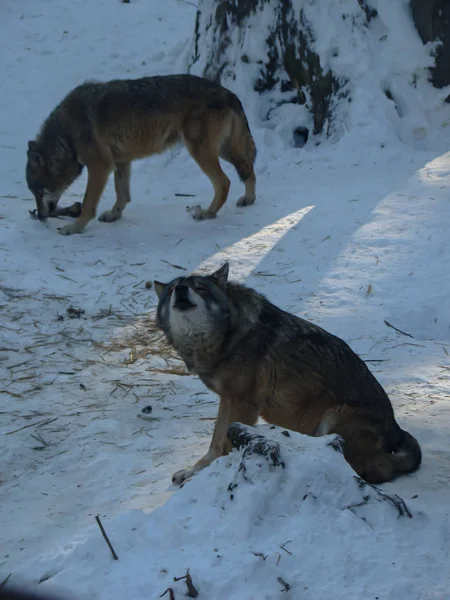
266	362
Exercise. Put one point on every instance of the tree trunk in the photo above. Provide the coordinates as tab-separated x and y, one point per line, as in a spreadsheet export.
432	21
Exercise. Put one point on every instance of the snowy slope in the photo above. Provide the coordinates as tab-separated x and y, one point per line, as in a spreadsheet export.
245	528
350	235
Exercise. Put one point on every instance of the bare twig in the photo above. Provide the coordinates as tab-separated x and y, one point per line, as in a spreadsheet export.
170	371
174	266
171	596
192	4
13	394
393	499
45	421
99	523
192	592
286	585
283	547
363	502
41	440
398	330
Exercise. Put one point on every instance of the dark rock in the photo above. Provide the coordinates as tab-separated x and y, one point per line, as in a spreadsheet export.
300	135
432	21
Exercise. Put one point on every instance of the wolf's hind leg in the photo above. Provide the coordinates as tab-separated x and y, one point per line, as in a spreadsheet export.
208	161
122	175
235	155
203	135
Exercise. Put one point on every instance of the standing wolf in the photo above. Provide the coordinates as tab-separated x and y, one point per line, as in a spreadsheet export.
105	126
263	361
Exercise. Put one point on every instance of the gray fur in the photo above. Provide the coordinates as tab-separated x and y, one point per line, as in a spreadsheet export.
104	126
263	361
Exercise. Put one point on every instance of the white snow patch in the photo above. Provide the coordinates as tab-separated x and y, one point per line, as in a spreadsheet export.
348	234
243	527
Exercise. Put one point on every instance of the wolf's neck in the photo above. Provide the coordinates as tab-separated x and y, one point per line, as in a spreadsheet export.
54	139
201	354
204	355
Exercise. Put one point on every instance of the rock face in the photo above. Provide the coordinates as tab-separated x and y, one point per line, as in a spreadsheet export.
432	21
286	62
301	53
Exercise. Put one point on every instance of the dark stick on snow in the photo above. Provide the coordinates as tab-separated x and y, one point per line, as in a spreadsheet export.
286	585
185	195
393	499
105	537
191	3
283	547
192	592
398	330
171	595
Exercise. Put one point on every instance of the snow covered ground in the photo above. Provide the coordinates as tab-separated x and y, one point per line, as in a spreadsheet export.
351	235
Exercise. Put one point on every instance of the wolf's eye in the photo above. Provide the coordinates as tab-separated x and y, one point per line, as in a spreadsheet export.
199	287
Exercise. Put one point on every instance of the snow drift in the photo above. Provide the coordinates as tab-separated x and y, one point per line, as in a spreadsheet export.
249	527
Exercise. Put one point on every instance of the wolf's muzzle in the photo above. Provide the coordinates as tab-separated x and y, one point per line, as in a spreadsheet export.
182	300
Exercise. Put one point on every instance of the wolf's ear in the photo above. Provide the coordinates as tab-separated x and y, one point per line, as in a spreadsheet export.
221	275
33	154
159	288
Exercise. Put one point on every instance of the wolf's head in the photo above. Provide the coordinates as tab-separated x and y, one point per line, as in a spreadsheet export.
194	311
49	172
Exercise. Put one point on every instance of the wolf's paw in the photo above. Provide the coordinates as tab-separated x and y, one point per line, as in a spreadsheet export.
109	216
70	229
183	476
245	201
200	214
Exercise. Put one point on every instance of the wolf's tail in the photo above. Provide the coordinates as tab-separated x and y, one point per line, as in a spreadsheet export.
408	456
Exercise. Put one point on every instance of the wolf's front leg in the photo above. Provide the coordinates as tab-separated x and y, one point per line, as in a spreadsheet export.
230	411
184	475
216	448
97	178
